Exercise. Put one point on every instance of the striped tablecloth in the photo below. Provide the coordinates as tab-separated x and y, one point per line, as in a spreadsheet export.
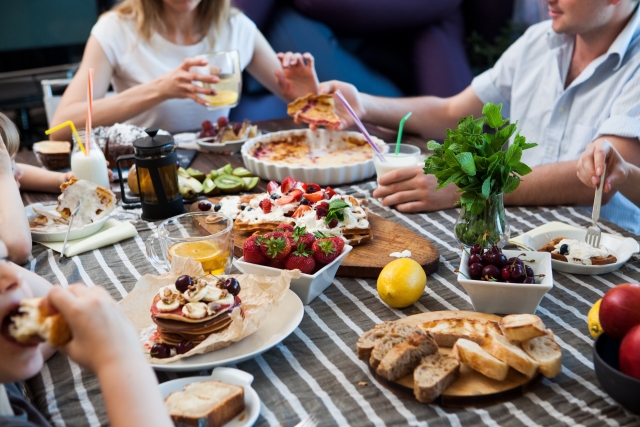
315	370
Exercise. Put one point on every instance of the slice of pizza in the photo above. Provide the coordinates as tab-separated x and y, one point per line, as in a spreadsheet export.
316	110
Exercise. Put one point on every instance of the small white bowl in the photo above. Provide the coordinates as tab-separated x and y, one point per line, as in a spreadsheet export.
508	298
307	286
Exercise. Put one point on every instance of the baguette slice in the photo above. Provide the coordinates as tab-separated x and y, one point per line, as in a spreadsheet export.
472	355
402	359
500	347
546	352
522	327
33	324
447	331
433	376
206	403
367	341
384	346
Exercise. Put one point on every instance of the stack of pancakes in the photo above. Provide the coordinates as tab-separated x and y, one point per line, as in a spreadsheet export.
174	331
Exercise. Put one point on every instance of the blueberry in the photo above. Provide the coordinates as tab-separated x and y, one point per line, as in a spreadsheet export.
564	249
217	208
304	202
242	206
274	196
249	210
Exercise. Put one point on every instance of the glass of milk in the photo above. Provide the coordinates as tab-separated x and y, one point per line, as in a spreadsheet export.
92	167
408	156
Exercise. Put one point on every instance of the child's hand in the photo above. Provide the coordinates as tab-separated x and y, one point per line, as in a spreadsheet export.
298	76
102	335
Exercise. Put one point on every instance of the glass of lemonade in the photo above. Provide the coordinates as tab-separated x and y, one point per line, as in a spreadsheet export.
203	236
408	156
225	65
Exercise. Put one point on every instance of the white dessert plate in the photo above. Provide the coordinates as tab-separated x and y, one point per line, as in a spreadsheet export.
58	234
230	376
278	325
622	248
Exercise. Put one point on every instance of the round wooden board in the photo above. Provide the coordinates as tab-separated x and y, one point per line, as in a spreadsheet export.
369	258
471	388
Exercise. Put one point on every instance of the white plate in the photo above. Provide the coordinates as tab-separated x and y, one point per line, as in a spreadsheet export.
230	376
216	147
622	248
278	325
58	236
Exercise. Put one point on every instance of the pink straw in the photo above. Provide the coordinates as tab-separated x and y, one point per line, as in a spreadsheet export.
89	109
360	125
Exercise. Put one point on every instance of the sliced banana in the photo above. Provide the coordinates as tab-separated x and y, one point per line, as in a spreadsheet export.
172	305
228	300
195	295
213	294
195	310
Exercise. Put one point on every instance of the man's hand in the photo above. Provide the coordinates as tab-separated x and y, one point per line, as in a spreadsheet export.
591	165
410	190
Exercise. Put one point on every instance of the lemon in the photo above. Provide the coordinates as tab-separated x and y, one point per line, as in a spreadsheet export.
223	97
207	253
593	319
401	282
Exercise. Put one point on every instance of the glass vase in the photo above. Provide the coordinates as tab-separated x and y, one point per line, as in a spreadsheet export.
488	228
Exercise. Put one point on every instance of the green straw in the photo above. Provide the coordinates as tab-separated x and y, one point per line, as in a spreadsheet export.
404	119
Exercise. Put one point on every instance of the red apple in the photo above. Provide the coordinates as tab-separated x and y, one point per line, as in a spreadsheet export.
620	310
630	353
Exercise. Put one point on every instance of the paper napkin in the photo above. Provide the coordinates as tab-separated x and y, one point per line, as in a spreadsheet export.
112	231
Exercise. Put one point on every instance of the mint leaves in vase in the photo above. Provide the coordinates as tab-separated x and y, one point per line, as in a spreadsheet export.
475	162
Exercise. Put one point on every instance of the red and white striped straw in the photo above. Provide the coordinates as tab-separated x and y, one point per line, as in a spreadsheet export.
89	109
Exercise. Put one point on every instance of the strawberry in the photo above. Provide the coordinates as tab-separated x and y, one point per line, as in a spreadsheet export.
252	252
266	205
329	192
300	234
287	184
275	245
277	263
324	250
296	195
300	211
285	227
315	197
272	186
312	188
301	259
339	241
289	236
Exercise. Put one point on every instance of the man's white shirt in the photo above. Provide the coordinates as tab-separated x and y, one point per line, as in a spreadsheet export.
603	100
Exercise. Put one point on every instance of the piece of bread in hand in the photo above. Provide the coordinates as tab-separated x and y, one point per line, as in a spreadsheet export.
205	403
546	352
472	355
522	327
367	341
402	359
511	354
433	376
33	324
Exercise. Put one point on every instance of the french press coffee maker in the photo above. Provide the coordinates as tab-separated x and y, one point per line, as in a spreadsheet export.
155	158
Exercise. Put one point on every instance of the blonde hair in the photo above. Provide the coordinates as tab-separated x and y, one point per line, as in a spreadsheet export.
9	135
211	15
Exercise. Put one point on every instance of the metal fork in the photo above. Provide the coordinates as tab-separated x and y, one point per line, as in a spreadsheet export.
66	236
593	233
310	421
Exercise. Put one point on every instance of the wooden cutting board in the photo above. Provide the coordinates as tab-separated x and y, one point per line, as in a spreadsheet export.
369	258
471	388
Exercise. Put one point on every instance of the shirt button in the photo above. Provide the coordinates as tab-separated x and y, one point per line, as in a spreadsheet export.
560	110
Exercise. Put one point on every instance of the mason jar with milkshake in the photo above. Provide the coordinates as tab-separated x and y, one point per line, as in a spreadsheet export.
91	164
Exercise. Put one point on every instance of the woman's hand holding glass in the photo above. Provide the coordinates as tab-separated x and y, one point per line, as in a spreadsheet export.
179	82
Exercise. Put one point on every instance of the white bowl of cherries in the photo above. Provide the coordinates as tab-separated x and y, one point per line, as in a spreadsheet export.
505	282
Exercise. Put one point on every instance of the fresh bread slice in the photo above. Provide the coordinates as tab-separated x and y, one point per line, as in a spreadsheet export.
447	331
500	347
402	359
546	352
365	343
522	327
33	324
383	346
433	376
206	403
472	355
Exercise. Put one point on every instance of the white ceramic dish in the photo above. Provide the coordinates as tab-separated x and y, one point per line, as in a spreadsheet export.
215	147
622	248
230	376
278	325
307	286
508	298
321	175
58	236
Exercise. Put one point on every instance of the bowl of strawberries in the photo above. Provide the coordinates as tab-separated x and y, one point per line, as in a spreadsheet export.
317	256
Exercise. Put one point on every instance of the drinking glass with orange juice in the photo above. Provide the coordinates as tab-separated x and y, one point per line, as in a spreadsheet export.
225	65
205	237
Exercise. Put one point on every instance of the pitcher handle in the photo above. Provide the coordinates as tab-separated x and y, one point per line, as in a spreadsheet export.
152	256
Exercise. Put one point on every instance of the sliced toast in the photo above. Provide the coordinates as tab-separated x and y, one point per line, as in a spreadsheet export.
472	355
402	359
210	403
433	376
546	352
511	354
522	327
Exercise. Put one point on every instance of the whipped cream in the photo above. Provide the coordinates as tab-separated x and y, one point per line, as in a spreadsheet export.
404	254
581	252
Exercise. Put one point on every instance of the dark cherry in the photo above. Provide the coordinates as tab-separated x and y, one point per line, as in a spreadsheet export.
476	249
490	258
475	259
515	260
304	202
564	249
517	273
204	205
237	127
161	350
528	270
217	207
222	121
529	280
506	273
500	260
232	286
475	271
491	272
207	124
321	212
184	347
333	223
494	249
183	282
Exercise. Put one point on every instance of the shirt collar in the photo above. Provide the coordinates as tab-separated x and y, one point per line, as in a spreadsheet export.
619	46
